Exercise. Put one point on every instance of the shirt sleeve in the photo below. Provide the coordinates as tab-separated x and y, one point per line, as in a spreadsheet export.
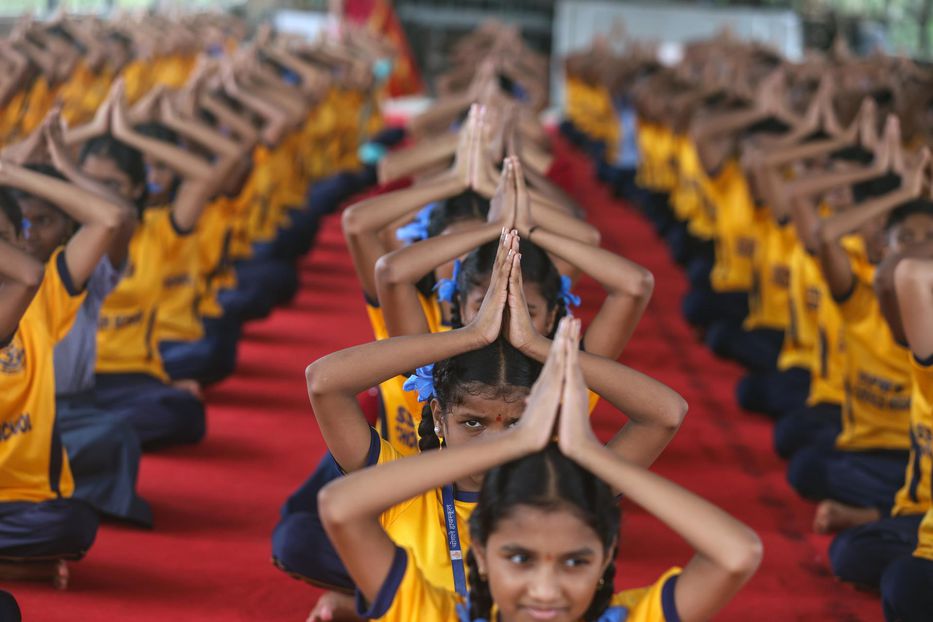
651	604
406	595
59	296
104	280
857	304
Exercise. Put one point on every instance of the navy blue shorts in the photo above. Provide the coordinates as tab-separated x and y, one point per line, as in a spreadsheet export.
46	530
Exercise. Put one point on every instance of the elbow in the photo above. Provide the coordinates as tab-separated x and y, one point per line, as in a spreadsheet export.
351	222
32	278
386	271
677	413
330	507
743	561
644	286
593	237
316	380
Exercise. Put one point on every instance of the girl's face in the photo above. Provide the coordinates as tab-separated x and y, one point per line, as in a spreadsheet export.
915	229
105	171
159	180
49	228
542	565
475	418
542	318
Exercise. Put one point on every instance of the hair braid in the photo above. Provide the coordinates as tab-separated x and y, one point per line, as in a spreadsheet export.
427	437
603	595
480	597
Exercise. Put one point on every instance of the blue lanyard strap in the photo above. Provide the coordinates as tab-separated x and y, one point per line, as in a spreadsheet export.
453	540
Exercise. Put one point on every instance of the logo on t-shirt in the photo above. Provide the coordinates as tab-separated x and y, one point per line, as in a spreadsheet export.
13	357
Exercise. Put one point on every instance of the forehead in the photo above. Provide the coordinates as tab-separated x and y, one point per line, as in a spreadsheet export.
511	406
103	167
32	205
555	532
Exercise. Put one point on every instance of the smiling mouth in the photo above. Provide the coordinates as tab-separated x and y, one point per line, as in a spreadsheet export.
543	613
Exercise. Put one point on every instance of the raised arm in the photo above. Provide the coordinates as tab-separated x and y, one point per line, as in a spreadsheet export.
913	279
22	276
335	380
100	220
727	552
350	506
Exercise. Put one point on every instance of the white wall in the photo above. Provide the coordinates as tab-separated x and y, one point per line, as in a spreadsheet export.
577	22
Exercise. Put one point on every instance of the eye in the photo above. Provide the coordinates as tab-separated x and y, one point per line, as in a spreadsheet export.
519	559
577	562
513	423
473	424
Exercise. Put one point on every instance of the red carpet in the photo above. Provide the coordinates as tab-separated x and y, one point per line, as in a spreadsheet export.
215	505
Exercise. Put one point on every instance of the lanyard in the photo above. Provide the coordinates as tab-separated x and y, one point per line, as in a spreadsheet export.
453	540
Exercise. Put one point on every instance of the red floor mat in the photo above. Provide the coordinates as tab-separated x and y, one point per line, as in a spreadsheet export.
216	504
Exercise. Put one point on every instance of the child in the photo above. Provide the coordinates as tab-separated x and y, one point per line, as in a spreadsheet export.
475	394
39	521
545	528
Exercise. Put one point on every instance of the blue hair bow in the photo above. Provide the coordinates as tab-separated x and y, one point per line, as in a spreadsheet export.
569	298
421	381
417	229
26	226
447	288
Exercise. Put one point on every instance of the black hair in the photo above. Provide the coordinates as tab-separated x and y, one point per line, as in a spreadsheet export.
49	171
548	481
875	187
465	206
769	125
10	208
128	159
164	133
537	268
493	371
905	210
853	153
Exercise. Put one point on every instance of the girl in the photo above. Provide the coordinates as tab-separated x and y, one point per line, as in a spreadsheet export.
629	286
103	450
545	528
476	394
131	377
39	521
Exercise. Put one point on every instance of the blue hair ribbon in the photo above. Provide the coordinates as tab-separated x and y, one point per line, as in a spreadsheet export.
421	381
570	299
371	153
417	229
447	288
26	226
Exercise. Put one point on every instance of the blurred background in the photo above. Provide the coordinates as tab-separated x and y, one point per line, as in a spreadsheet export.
894	26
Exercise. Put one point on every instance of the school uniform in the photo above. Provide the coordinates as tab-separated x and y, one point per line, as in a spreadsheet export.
9	609
131	378
865	469
410	594
39	519
300	545
103	449
861	555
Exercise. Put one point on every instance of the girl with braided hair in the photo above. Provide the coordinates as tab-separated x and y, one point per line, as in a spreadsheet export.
476	390
545	527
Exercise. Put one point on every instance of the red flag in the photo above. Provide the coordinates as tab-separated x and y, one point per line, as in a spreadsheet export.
379	16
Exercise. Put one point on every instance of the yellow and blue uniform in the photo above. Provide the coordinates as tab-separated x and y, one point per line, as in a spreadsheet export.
131	377
916	496
866	466
409	594
37	517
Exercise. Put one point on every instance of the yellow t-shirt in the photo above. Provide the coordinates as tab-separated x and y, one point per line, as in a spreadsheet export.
876	409
408	594
177	318
925	537
803	302
215	232
126	337
767	298
734	237
33	462
916	495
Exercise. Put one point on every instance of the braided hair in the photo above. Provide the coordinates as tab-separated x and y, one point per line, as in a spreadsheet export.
548	481
465	206
494	371
537	268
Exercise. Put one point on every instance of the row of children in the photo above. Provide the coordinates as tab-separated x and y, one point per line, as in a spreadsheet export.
458	504
797	196
154	196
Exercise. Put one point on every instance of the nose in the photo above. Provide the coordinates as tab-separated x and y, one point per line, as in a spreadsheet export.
544	587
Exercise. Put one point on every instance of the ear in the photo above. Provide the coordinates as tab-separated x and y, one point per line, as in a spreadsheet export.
552	319
479	553
439	420
610	555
